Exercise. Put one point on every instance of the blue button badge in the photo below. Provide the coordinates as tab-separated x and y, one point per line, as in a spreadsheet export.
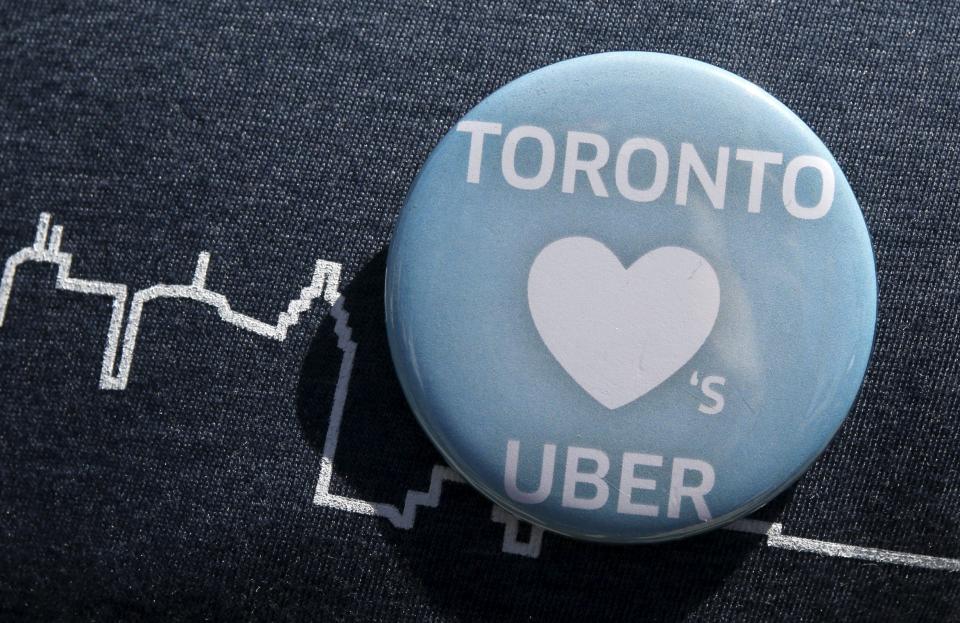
631	297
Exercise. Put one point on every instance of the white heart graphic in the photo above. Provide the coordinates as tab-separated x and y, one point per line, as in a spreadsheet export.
619	332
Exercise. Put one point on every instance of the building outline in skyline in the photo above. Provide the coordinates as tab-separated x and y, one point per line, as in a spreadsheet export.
122	336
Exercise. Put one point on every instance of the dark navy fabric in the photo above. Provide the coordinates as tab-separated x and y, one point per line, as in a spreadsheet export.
274	134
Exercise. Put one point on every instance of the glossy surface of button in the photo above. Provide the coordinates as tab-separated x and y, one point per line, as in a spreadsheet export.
631	297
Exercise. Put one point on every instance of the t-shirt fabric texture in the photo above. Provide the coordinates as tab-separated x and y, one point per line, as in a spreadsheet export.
200	415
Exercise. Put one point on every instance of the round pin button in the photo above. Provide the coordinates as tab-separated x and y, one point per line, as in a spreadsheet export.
631	297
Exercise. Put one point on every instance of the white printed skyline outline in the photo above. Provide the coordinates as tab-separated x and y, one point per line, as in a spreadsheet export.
326	283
